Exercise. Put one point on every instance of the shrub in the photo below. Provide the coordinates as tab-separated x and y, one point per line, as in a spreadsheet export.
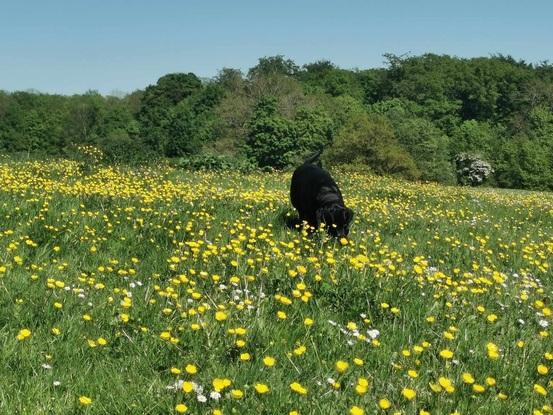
471	169
118	148
428	146
370	140
270	137
214	162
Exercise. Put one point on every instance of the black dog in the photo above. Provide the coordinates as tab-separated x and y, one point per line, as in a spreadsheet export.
316	196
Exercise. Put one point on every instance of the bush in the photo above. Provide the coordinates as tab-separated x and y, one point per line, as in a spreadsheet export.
270	139
214	163
472	170
370	140
118	148
535	166
473	137
429	147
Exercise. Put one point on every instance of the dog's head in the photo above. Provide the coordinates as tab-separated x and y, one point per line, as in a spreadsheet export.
336	219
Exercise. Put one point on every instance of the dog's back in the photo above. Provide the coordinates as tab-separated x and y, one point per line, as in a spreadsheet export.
310	184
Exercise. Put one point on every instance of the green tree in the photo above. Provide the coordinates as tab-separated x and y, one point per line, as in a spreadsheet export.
473	137
535	166
313	128
157	103
342	109
80	124
328	78
508	172
231	114
429	148
273	65
190	124
271	138
370	140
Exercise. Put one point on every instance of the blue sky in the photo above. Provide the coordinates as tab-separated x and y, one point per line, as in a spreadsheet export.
70	46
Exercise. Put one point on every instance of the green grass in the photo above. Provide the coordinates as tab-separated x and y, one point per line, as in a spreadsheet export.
185	245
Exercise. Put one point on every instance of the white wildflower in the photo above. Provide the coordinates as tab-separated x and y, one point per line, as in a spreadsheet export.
373	333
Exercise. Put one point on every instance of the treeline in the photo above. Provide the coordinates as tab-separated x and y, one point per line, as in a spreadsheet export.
430	117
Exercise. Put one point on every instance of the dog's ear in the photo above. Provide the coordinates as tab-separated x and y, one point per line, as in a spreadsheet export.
348	215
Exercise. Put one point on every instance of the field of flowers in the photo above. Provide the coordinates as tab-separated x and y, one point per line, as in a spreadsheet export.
156	291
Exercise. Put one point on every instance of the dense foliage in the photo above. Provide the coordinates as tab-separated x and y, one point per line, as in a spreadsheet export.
413	118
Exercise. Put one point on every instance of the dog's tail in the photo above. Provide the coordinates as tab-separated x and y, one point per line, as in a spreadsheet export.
313	158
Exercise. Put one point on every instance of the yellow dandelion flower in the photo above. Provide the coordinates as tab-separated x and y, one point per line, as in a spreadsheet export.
191	369
269	361
187	387
23	334
358	362
85	400
363	381
539	389
181	408
467	378
220	316
341	366
221	383
261	388
447	384
384	404
298	388
361	389
298	351
408	393
435	387
543	370
237	394
477	388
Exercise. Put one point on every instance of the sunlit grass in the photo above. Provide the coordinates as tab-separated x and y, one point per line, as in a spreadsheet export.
158	291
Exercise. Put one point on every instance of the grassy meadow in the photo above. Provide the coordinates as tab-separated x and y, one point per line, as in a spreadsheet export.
156	291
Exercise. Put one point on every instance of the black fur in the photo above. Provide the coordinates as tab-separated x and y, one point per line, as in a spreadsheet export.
317	198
